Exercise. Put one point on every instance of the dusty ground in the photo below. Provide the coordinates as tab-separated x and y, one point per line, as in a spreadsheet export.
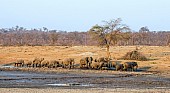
159	55
153	75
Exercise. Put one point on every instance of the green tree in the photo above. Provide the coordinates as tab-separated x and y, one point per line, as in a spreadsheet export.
110	33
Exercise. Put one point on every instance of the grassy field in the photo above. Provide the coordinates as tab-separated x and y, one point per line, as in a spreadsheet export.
159	56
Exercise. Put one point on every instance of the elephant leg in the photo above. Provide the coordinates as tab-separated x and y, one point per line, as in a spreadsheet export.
73	65
125	69
33	65
63	66
89	66
133	69
70	66
81	65
136	68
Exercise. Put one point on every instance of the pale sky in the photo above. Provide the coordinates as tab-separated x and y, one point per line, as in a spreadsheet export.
81	15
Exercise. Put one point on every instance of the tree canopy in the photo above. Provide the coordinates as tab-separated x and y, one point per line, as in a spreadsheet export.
110	33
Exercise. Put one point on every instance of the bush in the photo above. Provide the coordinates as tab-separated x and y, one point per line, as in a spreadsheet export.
134	55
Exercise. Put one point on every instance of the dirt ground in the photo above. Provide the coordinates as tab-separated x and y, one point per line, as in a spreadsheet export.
159	55
152	76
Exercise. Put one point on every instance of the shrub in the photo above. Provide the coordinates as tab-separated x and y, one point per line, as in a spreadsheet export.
134	55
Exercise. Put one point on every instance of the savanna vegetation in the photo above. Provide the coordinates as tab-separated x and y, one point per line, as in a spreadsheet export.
121	35
77	53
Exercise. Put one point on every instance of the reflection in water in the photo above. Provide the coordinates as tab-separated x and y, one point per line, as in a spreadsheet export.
6	66
70	84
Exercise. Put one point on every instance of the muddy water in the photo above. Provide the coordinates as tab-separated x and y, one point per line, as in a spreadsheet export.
20	79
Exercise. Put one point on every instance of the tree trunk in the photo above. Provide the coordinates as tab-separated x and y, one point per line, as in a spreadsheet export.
108	52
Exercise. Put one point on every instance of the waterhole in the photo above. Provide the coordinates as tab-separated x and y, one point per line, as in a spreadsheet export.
70	84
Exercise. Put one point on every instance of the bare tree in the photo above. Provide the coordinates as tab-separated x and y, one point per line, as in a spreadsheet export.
53	35
144	35
168	40
21	36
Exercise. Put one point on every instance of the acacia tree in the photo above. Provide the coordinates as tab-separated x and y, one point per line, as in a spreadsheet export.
110	33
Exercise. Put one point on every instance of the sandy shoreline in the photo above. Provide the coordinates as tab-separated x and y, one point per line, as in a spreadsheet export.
90	90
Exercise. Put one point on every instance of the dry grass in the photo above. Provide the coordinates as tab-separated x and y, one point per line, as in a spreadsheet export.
159	56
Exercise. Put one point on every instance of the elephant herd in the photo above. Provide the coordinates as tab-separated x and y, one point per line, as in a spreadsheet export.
84	63
41	62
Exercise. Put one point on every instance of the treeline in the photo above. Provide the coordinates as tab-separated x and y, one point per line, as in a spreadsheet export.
19	36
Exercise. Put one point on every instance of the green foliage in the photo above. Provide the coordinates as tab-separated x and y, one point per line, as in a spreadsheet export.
110	33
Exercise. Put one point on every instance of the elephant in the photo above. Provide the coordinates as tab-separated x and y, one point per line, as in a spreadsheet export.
113	64
86	62
97	65
19	63
68	62
45	63
130	65
28	63
106	62
102	59
37	62
54	63
119	67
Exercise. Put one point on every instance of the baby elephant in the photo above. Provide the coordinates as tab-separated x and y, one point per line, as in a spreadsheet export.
97	65
102	59
119	67
130	65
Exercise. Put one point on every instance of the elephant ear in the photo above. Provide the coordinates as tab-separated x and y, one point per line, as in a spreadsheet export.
86	58
91	58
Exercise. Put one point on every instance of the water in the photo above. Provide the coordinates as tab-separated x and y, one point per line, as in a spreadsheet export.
71	84
25	79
